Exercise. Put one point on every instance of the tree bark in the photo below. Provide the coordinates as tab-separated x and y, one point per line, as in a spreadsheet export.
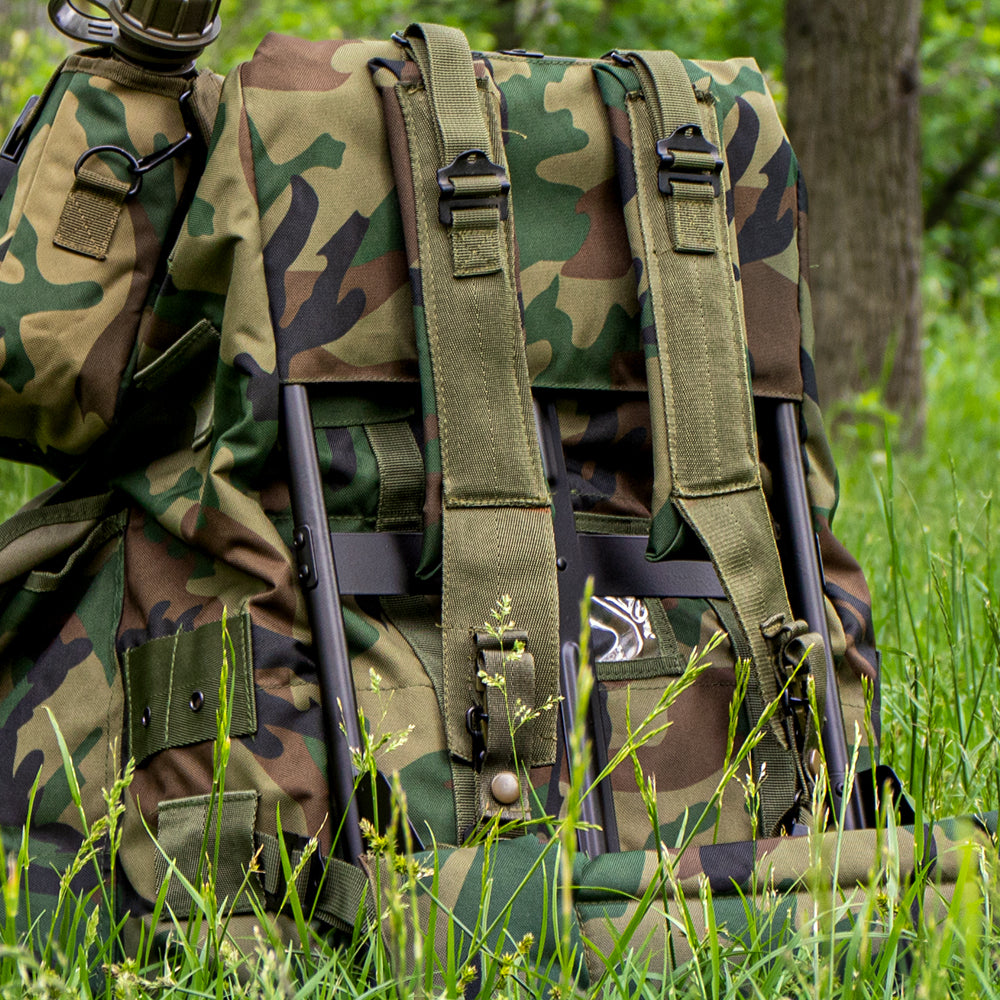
852	72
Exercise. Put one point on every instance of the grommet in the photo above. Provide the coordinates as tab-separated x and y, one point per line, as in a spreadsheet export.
197	700
146	716
505	788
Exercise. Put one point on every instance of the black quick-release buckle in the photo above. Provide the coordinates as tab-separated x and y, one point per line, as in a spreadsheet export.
688	156
794	709
473	164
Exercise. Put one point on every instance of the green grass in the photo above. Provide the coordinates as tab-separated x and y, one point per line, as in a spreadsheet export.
18	484
924	529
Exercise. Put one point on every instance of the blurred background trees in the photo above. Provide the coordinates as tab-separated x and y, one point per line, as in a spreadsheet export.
892	105
852	69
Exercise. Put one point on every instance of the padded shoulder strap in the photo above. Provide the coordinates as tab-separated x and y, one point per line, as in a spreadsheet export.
705	452
497	526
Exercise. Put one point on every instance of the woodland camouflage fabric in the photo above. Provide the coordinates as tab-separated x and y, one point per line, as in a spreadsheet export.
291	266
771	887
68	321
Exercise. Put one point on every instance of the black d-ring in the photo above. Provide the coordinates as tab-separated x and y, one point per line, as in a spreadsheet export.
133	164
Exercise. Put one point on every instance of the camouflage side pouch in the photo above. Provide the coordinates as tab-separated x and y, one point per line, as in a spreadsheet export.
104	160
61	585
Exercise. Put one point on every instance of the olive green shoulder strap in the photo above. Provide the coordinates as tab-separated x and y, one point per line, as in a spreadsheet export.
496	521
705	452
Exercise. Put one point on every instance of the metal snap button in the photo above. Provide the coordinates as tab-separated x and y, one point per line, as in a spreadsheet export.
146	716
506	788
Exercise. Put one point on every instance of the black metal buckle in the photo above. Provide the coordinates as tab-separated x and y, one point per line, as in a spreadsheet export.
471	163
688	139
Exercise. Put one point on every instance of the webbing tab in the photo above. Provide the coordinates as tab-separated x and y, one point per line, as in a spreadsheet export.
505	679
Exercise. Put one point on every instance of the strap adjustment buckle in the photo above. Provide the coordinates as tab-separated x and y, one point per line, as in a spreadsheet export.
790	642
472	180
688	156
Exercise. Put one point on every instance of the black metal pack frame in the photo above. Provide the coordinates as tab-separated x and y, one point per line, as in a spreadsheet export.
384	563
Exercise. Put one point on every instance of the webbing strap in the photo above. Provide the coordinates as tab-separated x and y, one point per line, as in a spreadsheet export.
346	892
400	475
473	184
497	525
705	452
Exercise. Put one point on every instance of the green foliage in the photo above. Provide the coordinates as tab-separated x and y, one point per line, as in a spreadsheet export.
961	124
18	484
27	58
924	527
578	27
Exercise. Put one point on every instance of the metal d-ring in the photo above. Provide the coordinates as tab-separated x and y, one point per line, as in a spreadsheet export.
139	166
133	164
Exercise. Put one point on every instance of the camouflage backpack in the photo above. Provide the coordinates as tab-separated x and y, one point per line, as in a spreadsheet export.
506	321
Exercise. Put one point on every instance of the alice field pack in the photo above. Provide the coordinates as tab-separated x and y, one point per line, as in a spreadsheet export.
353	369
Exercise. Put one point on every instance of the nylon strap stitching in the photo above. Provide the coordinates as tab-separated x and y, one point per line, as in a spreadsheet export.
705	385
497	524
90	214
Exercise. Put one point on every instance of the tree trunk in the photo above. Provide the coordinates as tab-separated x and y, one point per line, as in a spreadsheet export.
852	72
507	24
